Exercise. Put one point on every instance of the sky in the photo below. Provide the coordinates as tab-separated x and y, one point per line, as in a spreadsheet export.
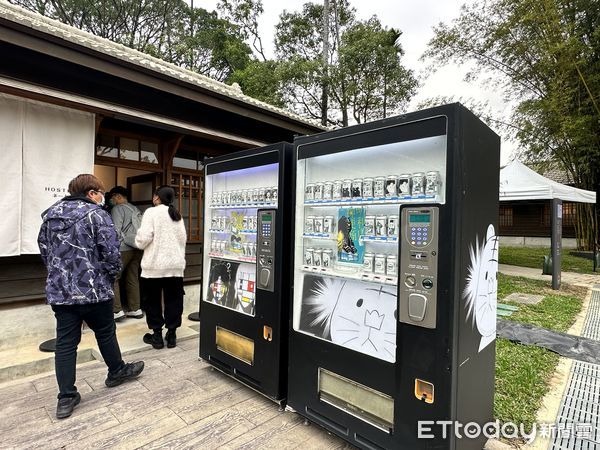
415	20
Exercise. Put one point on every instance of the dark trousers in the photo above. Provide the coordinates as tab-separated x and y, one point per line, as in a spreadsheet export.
172	288
130	274
69	318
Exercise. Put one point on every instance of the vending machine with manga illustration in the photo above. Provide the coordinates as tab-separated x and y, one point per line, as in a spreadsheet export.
394	285
244	307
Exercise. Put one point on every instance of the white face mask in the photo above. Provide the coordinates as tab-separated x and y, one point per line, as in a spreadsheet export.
102	201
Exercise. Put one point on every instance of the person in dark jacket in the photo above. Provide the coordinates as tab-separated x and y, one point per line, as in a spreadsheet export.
79	246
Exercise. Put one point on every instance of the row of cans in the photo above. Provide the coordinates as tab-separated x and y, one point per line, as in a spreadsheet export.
221	223
221	246
381	226
318	257
245	196
319	224
393	186
381	264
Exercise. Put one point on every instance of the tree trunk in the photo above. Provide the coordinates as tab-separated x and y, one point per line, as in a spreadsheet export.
324	87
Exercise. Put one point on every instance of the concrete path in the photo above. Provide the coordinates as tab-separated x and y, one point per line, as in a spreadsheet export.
578	279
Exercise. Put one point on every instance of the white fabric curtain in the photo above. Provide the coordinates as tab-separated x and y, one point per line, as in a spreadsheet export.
11	145
57	144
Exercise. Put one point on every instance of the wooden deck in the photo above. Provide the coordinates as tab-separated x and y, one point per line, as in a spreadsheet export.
177	402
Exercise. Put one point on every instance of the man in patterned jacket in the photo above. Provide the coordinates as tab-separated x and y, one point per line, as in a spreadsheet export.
80	248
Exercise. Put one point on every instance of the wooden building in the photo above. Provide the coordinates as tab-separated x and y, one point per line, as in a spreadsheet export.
150	123
526	207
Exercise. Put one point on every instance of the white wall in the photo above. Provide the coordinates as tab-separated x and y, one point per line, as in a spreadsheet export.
523	241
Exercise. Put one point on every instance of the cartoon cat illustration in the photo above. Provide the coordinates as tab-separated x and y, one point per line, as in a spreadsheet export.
356	315
481	291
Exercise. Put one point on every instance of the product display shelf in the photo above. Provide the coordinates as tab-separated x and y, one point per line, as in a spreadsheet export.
250	232
371	201
323	236
362	276
230	257
386	239
245	206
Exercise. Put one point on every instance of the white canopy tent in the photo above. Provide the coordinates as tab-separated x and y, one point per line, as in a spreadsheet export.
519	182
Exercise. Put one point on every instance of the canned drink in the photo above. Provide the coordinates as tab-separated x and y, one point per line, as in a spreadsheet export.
261	194
309	224
367	188
308	257
246	249
255	195
274	194
318	224
254	225
268	195
432	182
368	262
309	192
317	257
392	226
328	190
336	194
418	184
404	185
379	264
369	225
212	245
328	224
319	191
347	189
357	185
214	199
391	266
219	197
214	223
379	187
244	196
391	186
381	226
327	259
252	246
245	226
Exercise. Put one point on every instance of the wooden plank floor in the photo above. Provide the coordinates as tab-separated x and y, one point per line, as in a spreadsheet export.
178	402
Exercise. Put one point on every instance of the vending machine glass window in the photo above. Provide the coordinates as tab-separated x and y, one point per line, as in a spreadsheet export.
346	252
233	199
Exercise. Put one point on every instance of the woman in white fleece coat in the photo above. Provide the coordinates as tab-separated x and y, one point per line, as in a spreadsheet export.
162	236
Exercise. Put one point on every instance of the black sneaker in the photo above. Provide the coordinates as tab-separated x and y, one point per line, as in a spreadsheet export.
128	372
65	406
154	339
171	338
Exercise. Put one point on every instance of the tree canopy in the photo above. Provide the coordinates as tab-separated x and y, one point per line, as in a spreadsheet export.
545	56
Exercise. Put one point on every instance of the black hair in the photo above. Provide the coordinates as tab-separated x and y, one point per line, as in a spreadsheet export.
120	190
166	194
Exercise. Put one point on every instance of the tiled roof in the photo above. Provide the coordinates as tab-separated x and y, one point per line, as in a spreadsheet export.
74	35
558	175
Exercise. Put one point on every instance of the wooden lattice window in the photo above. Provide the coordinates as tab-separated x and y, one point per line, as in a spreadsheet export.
506	216
189	189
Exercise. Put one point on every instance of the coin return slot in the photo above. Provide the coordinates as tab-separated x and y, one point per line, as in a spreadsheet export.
424	390
267	333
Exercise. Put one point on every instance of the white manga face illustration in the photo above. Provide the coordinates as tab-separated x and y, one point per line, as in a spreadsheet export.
358	316
481	291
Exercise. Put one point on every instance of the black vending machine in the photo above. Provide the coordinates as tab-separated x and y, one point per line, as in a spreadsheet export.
392	343
244	307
